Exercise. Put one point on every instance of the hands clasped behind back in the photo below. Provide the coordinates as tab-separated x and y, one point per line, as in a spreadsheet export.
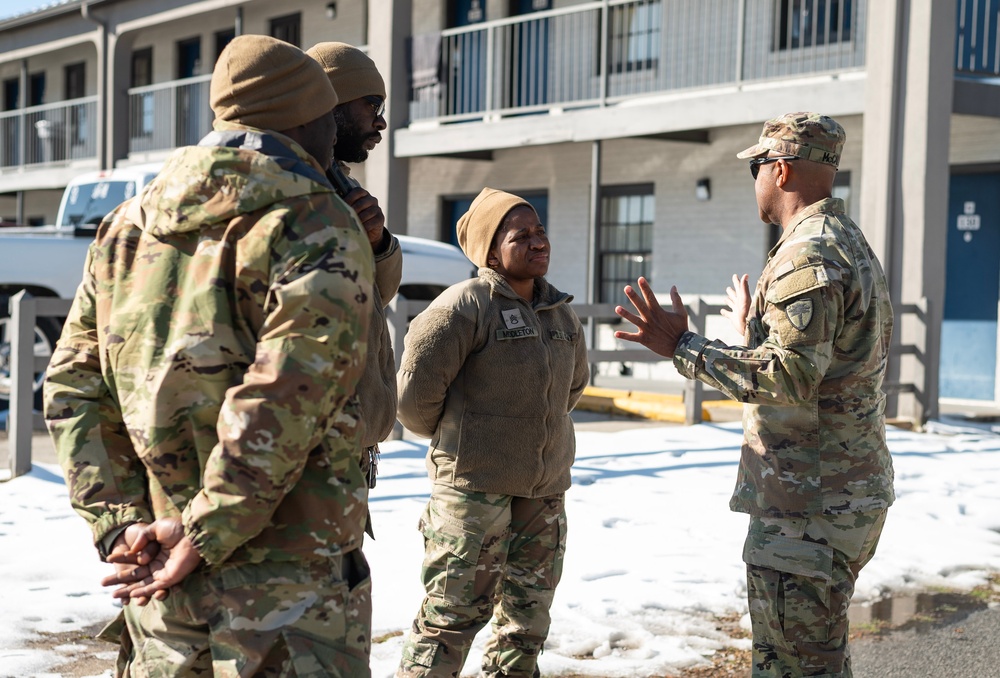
159	556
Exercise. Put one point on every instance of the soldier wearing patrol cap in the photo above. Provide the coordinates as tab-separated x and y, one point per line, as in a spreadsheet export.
201	395
815	473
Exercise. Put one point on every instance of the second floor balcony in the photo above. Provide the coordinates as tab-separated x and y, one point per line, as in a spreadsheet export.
624	67
602	53
49	135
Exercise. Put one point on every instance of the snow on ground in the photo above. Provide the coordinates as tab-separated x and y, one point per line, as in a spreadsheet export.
653	553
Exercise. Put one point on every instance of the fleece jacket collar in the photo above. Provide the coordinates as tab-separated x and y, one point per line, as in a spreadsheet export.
546	295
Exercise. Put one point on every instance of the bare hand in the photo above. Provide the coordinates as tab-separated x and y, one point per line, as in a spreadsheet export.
659	330
369	213
175	559
739	303
131	567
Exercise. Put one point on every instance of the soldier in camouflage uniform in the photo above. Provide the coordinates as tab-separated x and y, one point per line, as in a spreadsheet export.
815	473
200	397
361	92
490	372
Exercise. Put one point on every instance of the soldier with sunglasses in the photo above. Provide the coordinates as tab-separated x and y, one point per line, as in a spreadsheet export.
815	473
360	121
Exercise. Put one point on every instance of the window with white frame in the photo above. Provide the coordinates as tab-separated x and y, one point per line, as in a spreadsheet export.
808	23
625	239
634	37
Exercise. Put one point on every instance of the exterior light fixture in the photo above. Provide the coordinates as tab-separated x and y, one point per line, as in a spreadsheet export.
703	189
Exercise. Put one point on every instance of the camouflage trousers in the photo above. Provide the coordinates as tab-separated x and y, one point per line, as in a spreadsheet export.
800	578
267	619
486	556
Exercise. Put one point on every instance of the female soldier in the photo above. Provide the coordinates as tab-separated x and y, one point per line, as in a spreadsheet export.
490	372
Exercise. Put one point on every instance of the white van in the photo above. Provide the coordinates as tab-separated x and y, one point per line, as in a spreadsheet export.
91	196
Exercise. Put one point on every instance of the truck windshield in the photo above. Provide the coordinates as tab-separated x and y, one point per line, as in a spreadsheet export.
88	204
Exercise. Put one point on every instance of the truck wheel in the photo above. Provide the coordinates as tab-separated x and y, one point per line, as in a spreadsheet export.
46	335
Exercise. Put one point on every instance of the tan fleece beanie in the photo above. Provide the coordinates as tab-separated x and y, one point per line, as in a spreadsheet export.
351	71
266	83
477	227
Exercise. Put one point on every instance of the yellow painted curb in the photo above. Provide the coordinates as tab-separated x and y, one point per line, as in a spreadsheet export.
654	406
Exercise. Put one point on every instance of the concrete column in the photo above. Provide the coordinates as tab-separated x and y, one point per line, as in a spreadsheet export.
911	45
386	176
101	48
930	77
119	76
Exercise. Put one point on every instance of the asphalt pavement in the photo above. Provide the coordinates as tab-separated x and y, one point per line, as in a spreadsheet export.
965	645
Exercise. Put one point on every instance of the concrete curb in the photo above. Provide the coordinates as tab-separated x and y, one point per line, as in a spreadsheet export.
655	406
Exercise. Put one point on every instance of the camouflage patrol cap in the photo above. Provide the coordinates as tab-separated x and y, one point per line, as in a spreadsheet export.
805	135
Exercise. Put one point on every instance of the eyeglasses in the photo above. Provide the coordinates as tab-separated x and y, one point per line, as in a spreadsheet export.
757	162
377	104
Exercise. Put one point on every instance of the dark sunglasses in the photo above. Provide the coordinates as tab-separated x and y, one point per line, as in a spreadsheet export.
757	162
377	104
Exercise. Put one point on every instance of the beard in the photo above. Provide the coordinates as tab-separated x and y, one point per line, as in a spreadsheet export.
350	139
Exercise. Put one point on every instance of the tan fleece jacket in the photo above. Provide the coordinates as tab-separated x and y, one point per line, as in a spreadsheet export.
491	379
377	387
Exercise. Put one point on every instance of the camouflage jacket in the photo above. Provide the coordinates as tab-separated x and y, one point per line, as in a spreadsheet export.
811	374
209	360
377	388
491	379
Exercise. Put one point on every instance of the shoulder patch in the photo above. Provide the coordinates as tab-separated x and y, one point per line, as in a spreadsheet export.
799	313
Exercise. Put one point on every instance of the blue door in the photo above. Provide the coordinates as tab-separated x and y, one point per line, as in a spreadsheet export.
191	106
972	289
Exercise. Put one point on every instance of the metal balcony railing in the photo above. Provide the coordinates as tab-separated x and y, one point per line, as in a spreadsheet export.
596	53
169	114
977	48
49	134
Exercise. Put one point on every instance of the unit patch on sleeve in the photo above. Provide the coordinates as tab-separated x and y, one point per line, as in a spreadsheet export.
800	313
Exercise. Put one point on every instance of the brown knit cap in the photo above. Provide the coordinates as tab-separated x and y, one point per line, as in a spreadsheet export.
477	227
266	83
351	71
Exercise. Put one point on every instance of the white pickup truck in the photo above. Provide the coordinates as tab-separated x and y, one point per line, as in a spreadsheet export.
48	260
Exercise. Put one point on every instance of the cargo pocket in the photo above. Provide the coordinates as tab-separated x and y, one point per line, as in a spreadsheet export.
421	653
788	584
451	553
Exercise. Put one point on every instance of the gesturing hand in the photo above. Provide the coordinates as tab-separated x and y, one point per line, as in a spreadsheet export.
175	559
659	330
739	303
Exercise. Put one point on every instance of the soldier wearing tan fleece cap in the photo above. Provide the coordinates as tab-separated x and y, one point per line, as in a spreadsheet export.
361	91
490	373
233	506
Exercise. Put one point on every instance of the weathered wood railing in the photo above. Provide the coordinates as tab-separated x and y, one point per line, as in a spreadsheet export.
26	309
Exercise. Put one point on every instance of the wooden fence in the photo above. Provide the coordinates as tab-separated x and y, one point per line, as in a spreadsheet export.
26	309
